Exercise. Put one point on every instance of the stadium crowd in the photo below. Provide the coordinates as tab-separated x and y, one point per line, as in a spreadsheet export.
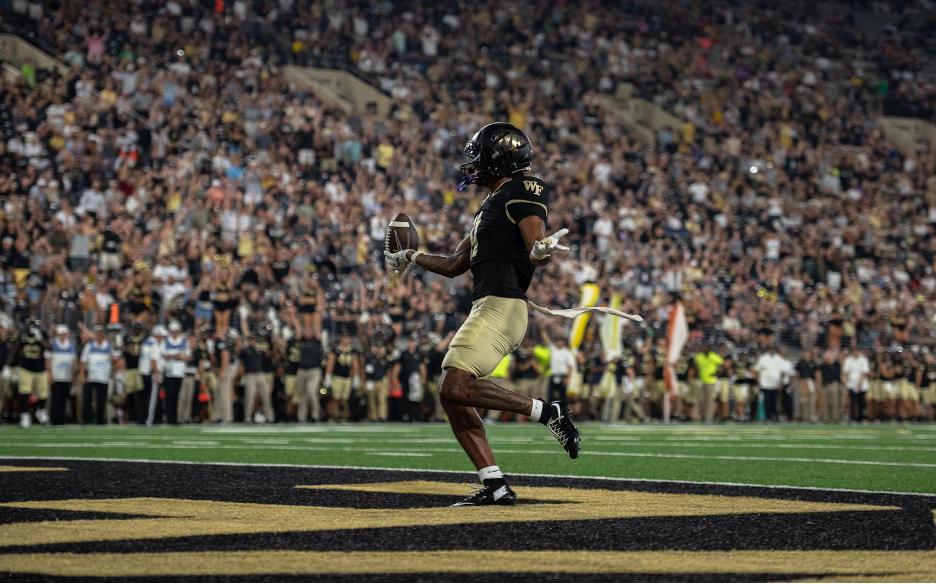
174	185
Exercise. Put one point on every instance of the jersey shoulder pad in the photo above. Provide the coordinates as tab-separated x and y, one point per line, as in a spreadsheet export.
528	195
529	187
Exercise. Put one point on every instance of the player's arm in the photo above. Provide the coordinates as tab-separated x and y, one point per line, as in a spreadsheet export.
533	229
527	207
443	344
449	266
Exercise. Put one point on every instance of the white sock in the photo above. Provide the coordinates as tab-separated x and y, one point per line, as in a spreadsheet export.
537	410
490	472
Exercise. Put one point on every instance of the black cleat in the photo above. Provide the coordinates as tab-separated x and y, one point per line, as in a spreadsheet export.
561	427
485	495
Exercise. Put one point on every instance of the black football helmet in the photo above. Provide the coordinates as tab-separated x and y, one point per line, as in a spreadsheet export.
496	150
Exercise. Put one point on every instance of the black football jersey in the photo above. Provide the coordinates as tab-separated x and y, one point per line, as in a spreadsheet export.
500	262
32	353
266	350
376	367
659	365
133	346
293	356
344	359
627	361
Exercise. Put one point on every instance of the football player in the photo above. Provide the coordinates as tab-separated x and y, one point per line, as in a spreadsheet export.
133	380
506	244
30	355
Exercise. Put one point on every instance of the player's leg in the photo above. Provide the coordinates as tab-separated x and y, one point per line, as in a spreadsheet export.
250	395
382	391
292	400
266	399
41	394
186	397
57	405
100	404
25	391
314	383
469	431
460	387
143	404
226	389
465	421
494	328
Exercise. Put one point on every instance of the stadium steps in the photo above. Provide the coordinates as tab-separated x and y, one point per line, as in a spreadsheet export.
341	88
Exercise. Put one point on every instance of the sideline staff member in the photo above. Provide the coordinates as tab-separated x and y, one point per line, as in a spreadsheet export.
97	361
63	365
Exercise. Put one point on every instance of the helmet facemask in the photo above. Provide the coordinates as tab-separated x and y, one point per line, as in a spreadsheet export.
475	171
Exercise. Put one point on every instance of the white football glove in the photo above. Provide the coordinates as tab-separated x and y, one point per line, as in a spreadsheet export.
328	382
369	386
397	261
544	248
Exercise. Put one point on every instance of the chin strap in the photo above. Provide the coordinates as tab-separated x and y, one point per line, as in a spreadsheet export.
468	180
573	312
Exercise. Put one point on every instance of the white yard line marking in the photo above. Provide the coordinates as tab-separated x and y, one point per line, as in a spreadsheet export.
307	429
215	439
502	451
632	444
397	454
470	476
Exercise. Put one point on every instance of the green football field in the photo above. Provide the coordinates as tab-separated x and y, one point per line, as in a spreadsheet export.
874	458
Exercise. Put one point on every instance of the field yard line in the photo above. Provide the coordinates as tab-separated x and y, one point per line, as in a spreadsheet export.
766	445
186	439
501	451
771	437
601	441
308	429
472	474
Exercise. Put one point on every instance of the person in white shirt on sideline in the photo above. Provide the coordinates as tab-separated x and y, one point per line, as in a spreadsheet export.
176	352
855	369
151	366
62	367
561	366
97	361
771	369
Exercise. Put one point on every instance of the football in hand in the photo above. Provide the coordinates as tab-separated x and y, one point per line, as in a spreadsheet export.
401	234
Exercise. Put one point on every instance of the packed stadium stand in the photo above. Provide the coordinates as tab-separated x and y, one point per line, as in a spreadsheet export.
770	165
